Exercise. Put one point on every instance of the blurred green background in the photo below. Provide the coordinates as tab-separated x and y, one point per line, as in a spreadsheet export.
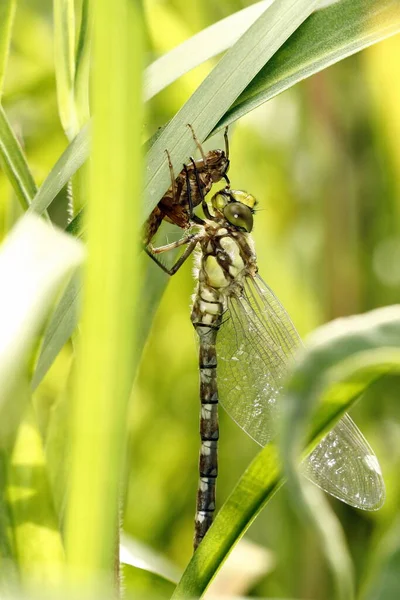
323	159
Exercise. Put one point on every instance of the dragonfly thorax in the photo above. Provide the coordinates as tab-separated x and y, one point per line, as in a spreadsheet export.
227	256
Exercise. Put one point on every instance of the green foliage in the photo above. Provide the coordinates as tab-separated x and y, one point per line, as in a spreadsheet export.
14	163
7	11
111	284
49	536
67	165
34	264
64	60
328	36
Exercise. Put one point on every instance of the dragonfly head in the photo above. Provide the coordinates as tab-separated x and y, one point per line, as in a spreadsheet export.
236	206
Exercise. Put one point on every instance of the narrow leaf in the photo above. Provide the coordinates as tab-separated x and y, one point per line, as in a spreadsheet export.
60	328
144	584
64	57
76	227
37	536
207	43
112	275
135	553
83	67
67	165
34	262
325	38
7	11
220	89
204	45
14	163
383	572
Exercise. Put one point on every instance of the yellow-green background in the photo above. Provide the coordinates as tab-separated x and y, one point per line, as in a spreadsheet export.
323	160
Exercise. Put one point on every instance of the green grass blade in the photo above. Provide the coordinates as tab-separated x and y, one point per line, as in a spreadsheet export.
14	163
8	559
60	328
76	227
83	67
34	263
7	11
65	317
207	43
64	57
141	583
350	371
67	165
220	89
38	540
383	572
110	295
136	554
325	38
256	487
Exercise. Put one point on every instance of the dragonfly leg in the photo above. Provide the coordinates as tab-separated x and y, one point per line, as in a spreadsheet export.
192	217
191	240
182	242
189	192
200	147
172	174
204	204
226	138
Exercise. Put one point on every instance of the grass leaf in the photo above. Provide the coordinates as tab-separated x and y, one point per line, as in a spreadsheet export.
64	57
343	352
67	165
38	540
34	263
14	163
111	283
7	12
83	67
383	574
60	328
325	38
204	45
219	90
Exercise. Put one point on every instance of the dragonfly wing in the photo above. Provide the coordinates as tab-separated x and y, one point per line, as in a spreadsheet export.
255	345
345	466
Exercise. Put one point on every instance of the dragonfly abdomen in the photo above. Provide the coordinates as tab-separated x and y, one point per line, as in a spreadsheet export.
206	318
209	431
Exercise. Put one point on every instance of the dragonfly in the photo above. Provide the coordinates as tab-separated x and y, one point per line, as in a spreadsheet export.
198	177
247	342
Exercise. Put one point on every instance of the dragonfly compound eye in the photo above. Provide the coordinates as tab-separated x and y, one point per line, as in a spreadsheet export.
220	200
239	215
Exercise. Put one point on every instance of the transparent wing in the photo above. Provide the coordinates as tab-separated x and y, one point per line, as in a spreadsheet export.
255	345
345	466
